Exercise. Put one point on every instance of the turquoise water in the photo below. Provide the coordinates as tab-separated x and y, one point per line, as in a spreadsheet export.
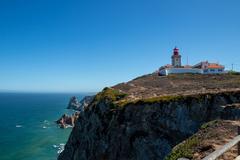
27	128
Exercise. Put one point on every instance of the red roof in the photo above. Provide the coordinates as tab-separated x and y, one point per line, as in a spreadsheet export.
215	66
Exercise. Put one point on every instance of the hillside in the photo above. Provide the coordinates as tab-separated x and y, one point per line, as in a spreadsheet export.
153	85
210	137
149	116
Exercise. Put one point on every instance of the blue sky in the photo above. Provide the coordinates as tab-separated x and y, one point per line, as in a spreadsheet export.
85	45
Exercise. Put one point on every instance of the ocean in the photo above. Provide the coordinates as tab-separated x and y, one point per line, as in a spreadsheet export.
27	127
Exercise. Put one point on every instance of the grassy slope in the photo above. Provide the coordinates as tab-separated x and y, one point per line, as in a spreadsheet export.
211	136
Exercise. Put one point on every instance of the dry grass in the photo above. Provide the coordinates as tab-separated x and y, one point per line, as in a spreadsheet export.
182	84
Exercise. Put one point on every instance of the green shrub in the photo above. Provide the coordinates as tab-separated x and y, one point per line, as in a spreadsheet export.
184	150
208	124
233	73
109	94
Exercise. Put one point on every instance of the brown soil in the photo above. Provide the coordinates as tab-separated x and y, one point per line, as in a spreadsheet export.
214	137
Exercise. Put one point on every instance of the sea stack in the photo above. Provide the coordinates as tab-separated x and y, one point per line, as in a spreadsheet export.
66	120
74	103
79	106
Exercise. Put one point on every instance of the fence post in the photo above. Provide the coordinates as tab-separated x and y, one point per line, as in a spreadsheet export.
238	142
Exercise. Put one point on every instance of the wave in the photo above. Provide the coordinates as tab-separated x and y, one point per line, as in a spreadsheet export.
18	126
60	147
46	122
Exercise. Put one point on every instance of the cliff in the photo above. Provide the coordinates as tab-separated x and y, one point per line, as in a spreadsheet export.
148	116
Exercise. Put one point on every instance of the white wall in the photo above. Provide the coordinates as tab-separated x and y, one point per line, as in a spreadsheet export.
180	70
168	71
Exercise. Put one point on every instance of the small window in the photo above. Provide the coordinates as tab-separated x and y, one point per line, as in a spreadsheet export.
220	70
212	70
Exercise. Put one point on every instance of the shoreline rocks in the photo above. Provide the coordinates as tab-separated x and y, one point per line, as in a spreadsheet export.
69	120
66	120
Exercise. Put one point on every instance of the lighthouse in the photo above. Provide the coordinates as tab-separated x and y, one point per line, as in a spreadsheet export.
203	67
176	58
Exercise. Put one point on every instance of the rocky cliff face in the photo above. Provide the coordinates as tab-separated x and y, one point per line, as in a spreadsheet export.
143	129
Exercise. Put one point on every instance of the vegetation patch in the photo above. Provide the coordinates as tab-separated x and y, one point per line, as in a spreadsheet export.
209	124
233	73
110	95
175	98
201	142
151	100
185	149
163	99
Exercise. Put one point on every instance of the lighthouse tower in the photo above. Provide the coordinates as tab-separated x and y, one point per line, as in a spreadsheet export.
176	58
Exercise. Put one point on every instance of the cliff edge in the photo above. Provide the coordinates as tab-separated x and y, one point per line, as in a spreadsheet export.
149	116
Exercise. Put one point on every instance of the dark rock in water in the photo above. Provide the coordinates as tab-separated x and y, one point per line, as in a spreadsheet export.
74	104
66	120
80	106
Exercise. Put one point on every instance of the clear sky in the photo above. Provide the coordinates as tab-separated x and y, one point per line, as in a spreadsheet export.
85	45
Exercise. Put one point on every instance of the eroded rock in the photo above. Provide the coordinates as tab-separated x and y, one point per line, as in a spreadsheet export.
68	121
79	106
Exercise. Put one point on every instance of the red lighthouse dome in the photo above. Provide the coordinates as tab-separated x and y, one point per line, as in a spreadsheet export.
176	51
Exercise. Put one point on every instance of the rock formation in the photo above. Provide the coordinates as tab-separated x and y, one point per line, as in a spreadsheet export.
74	103
79	106
66	120
125	122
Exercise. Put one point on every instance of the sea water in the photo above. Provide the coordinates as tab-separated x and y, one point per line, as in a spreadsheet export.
27	125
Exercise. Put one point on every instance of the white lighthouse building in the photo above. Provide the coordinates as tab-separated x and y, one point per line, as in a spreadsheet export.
176	58
201	68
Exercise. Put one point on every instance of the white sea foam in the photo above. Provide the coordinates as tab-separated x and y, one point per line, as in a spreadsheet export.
18	126
69	126
59	147
55	146
46	122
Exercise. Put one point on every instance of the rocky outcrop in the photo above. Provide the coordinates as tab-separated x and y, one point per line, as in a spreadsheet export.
66	120
73	103
144	129
79	106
